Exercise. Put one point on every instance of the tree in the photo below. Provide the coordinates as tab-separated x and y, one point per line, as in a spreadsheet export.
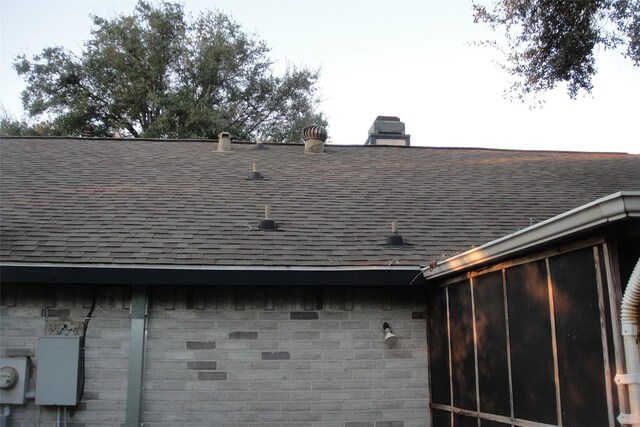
553	41
10	126
159	73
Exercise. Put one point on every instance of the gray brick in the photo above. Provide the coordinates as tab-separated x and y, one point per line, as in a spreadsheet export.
202	365
390	424
295	385
275	355
233	345
276	417
359	424
264	406
212	376
56	312
333	374
240	335
265	365
260	376
358	405
357	385
274	396
327	385
389	404
303	315
306	375
201	345
242	396
418	315
327	406
295	406
311	396
305	335
399	374
263	345
264	385
306	416
20	352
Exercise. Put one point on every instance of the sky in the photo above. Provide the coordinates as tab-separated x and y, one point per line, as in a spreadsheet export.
412	59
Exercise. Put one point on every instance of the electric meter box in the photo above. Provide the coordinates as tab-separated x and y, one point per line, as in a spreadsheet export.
14	378
58	371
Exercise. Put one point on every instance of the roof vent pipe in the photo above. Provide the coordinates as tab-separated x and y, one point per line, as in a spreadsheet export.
395	239
224	141
259	144
314	137
255	175
267	223
629	312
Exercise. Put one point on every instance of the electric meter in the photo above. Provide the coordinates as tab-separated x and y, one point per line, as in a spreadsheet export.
8	377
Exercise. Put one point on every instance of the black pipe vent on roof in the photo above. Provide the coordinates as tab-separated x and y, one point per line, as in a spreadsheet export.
254	175
267	223
395	239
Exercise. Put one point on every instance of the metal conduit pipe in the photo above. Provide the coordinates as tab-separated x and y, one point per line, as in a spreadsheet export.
6	415
629	311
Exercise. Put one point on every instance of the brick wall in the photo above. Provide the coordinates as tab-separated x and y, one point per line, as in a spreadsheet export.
29	312
244	356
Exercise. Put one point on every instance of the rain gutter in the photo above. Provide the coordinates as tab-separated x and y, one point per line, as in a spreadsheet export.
254	275
609	209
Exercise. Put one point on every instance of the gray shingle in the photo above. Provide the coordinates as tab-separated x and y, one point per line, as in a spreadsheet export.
179	202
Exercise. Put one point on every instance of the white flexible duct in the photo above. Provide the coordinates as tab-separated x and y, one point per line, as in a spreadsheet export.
629	312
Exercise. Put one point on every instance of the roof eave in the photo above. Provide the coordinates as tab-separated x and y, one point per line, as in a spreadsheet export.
130	274
615	207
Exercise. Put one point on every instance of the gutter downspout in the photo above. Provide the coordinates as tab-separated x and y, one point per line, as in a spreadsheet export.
135	386
5	417
629	311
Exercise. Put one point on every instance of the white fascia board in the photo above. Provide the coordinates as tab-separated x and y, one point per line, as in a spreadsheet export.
614	207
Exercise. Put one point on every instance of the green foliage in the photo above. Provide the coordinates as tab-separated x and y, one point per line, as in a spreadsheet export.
10	126
158	74
553	41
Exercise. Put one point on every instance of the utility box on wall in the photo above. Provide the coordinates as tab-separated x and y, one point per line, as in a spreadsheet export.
58	370
14	378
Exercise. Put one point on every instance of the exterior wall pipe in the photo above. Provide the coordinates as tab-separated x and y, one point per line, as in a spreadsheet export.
135	377
5	417
629	311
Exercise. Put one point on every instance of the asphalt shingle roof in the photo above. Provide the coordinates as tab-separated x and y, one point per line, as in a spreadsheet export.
183	203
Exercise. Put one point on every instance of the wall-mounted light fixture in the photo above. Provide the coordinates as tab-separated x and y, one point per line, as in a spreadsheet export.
389	336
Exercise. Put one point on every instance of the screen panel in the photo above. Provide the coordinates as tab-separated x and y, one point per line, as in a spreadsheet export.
463	375
488	423
438	347
493	369
464	421
441	418
579	336
534	394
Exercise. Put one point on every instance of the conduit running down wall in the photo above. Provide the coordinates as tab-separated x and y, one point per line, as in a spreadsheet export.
629	311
